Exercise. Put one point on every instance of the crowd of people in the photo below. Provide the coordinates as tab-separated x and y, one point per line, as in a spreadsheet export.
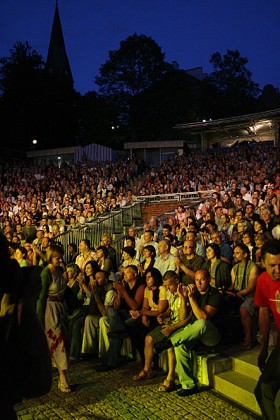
185	281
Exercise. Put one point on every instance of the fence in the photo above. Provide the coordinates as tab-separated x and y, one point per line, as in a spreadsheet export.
115	224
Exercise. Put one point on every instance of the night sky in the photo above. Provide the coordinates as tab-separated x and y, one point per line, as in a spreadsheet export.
188	31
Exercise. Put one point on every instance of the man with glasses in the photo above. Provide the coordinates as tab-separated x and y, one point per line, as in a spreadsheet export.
188	263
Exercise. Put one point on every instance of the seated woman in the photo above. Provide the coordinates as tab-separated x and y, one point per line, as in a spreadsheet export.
128	258
155	302
149	253
103	259
220	271
249	240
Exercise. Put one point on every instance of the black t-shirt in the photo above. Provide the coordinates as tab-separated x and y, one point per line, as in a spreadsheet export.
214	299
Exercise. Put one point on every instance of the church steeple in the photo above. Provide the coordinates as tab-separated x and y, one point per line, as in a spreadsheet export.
57	60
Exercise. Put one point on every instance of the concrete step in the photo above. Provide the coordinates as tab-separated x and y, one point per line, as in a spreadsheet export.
237	387
247	364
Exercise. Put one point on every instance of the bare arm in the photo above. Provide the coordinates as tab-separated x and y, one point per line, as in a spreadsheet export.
251	282
264	324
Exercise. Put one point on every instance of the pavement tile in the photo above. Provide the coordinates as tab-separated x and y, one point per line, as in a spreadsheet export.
114	396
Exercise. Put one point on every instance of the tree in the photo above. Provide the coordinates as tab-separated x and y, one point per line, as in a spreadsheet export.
19	68
237	93
34	103
134	67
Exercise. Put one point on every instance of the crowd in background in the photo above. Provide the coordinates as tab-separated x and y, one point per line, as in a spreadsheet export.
99	302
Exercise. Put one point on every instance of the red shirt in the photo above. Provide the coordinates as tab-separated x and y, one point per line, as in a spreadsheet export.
268	295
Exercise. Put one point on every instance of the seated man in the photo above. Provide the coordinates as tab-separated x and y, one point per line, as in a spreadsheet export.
130	295
174	318
206	304
104	295
244	276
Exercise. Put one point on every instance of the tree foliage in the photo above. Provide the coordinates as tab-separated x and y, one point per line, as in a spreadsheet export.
134	67
236	91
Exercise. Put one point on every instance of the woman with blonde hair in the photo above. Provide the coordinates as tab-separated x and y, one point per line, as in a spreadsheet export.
52	312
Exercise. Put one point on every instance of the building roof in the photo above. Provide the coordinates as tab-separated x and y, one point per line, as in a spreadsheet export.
57	59
256	127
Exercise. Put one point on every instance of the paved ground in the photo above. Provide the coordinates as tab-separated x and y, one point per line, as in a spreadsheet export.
113	395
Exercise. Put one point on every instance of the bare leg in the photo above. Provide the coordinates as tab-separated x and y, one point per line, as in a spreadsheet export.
149	353
246	321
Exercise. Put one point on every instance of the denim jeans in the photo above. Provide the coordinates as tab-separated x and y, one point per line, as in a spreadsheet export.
184	340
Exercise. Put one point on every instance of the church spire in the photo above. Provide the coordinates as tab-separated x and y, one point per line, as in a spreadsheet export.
57	60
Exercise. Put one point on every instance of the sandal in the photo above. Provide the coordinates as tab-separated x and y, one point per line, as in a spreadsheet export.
63	386
167	386
144	374
245	346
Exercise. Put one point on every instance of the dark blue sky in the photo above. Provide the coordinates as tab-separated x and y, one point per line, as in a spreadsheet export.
188	31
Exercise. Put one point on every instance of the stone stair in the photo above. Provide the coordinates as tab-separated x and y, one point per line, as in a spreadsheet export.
236	377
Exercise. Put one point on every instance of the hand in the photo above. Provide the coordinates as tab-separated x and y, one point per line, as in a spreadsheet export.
119	286
178	261
191	289
160	319
166	330
182	291
134	314
145	321
262	358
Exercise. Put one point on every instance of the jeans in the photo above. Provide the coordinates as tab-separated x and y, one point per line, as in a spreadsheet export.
119	321
184	340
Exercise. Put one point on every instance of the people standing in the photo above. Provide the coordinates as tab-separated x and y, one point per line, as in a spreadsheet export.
267	298
52	313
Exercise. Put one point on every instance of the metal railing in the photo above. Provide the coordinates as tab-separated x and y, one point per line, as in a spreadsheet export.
116	223
193	195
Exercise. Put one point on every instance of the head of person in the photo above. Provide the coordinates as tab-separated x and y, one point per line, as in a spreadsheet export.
90	269
241	253
130	241
190	236
102	252
171	281
153	278
130	274
20	253
248	238
148	236
72	270
54	254
72	248
202	280
242	226
45	242
216	238
265	215
101	277
189	247
149	251
154	222
259	226
213	251
166	229
105	240
84	245
164	246
270	256
128	252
